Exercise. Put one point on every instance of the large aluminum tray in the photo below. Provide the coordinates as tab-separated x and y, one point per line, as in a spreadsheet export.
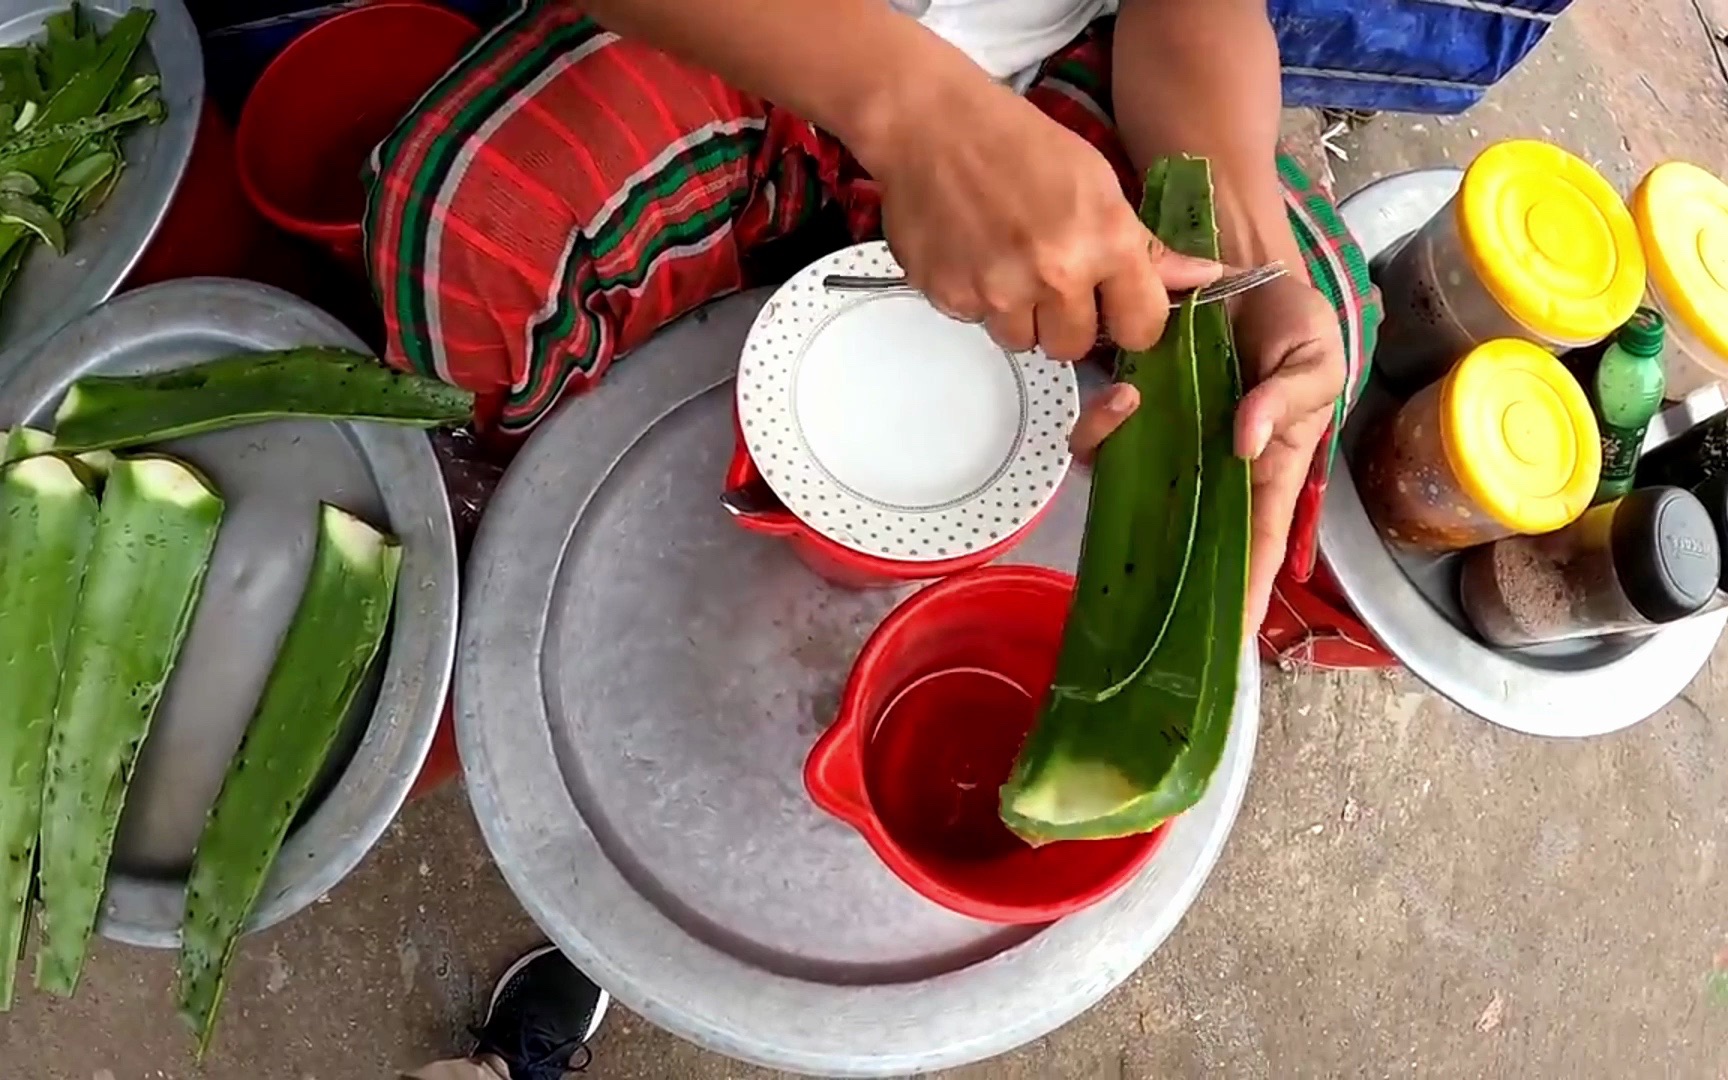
638	684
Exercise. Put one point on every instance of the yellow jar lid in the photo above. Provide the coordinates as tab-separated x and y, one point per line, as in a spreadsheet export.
1519	436
1550	240
1682	216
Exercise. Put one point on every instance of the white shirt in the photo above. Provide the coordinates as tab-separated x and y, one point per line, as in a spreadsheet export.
1007	38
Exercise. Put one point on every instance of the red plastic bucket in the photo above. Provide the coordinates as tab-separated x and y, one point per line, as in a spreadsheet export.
326	100
839	564
932	717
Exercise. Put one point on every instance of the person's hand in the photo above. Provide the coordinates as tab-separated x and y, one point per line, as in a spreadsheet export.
1001	215
1293	367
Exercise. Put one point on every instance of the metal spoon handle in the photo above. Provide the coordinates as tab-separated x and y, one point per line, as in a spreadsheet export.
1222	289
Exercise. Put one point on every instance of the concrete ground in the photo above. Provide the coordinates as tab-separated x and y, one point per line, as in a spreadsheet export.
1409	891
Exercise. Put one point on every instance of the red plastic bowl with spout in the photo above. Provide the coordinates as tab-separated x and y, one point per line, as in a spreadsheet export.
1007	621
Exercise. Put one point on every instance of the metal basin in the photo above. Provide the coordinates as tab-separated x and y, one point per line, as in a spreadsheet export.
1410	601
272	477
50	291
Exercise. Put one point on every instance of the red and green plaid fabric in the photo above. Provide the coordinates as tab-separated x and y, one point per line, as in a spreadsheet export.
562	194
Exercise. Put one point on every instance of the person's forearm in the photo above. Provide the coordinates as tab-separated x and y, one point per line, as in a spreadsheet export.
856	68
1201	77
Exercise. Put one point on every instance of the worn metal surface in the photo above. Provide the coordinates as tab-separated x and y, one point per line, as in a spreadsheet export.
1410	601
50	291
639	682
273	476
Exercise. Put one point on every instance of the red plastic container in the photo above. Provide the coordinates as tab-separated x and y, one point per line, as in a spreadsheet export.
326	100
840	564
916	769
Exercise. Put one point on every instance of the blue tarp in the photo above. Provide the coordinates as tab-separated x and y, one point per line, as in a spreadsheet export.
1431	56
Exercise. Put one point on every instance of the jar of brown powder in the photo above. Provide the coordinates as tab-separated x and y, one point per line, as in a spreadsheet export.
1633	564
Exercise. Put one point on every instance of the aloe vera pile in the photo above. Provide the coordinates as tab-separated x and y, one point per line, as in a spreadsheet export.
102	564
64	102
1135	723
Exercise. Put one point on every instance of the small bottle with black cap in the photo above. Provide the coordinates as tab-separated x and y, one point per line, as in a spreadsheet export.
1713	493
1648	558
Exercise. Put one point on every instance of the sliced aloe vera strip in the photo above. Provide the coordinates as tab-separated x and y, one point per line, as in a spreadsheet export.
47	521
154	534
332	641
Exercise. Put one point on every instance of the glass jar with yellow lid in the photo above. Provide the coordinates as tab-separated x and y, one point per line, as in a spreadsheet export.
1535	245
1504	444
1681	212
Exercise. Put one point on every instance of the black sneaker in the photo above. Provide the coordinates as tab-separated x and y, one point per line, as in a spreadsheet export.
542	1015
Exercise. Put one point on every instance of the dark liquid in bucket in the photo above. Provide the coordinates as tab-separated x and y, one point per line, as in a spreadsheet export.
939	756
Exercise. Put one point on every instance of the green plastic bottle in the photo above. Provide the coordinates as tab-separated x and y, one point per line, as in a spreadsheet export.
1626	393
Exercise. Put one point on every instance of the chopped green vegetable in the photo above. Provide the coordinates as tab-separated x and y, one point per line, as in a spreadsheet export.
47	519
62	99
1111	765
154	535
23	442
335	635
114	412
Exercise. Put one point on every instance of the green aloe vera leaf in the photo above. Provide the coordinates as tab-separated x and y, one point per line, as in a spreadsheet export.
103	413
1139	523
1218	613
1126	763
154	534
332	641
47	521
23	442
17	210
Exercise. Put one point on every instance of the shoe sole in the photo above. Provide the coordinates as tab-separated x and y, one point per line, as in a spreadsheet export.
600	1006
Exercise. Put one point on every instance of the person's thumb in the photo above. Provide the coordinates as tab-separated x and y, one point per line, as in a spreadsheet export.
1102	416
1181	272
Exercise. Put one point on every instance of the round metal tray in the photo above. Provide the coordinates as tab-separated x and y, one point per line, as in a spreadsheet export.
272	477
639	683
50	291
1410	601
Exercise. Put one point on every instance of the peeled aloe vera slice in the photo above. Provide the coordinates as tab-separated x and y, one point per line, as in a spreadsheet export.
114	412
335	635
47	520
154	534
1124	764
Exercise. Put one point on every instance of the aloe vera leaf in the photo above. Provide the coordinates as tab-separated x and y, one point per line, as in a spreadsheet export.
23	442
115	412
1127	763
47	520
1219	613
330	644
154	534
1139	522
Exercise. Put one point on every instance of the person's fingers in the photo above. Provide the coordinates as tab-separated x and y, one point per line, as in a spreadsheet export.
1307	380
1178	271
1135	305
1102	416
1013	330
1067	324
1277	482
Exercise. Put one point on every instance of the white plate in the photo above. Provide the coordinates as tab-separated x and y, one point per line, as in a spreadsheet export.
892	429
